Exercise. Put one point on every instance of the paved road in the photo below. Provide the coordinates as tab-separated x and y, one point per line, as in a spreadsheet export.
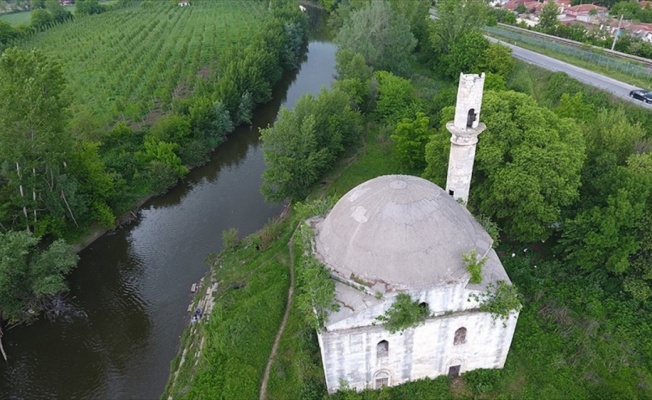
617	88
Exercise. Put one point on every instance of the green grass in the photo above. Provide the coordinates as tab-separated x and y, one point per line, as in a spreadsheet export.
250	302
20	18
129	62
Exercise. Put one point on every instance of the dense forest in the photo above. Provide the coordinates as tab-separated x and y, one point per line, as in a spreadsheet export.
94	126
563	174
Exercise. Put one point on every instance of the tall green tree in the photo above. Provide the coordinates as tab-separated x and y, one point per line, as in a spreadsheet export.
40	19
381	35
306	141
527	167
411	136
548	18
465	54
292	156
35	147
613	236
396	98
456	18
416	12
29	277
56	10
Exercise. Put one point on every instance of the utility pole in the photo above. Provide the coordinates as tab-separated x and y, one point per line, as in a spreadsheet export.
617	32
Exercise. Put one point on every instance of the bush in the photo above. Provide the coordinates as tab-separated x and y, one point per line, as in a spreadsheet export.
230	238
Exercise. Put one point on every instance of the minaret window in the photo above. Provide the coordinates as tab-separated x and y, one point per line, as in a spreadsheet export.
470	119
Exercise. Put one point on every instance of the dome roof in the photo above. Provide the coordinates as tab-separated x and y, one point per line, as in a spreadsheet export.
400	230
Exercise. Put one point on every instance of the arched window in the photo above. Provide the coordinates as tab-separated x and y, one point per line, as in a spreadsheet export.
460	336
382	349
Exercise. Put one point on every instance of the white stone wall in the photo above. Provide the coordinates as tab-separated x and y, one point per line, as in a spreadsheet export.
469	96
464	137
440	300
426	351
460	167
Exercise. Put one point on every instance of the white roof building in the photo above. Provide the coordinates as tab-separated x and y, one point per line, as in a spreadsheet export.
403	234
398	234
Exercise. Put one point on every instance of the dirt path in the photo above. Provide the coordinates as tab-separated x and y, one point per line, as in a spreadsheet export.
288	307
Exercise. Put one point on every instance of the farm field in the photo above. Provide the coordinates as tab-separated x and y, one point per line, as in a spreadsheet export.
20	18
125	63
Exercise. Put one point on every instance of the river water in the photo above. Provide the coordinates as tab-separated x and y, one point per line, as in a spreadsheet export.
129	295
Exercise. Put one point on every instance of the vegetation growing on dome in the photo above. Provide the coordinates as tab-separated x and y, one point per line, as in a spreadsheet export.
404	313
474	265
316	290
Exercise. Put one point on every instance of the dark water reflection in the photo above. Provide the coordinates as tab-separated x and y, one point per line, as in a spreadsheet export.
129	295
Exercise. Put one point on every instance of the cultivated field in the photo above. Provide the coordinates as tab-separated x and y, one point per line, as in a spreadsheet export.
125	63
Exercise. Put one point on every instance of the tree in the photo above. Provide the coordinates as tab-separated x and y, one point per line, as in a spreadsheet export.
56	10
614	234
396	98
7	33
411	136
416	12
497	59
520	8
456	18
88	7
465	54
292	156
29	277
610	141
40	19
527	165
306	141
35	147
548	18
379	34
353	77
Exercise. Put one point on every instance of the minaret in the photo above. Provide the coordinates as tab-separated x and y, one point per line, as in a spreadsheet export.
464	130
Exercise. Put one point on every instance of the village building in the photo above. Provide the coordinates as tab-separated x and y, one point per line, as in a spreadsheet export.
399	234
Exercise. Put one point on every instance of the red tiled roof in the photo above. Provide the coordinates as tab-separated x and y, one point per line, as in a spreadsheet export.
585	8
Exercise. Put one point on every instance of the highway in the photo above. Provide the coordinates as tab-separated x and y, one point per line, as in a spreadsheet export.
617	88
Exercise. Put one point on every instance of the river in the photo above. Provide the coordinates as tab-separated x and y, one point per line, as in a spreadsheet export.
130	293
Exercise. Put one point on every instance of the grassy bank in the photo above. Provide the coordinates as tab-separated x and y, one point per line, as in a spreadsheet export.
250	298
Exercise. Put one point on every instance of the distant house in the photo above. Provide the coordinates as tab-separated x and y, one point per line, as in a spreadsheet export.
641	30
582	12
531	6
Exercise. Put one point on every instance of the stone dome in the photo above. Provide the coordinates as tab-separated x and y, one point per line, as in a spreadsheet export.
399	230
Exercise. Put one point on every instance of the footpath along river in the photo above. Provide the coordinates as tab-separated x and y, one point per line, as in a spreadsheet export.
129	295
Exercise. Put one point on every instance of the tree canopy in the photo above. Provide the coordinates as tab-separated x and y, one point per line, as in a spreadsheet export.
527	166
303	143
28	276
381	35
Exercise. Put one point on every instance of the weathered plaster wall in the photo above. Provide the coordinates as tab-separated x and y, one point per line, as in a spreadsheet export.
440	299
426	351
